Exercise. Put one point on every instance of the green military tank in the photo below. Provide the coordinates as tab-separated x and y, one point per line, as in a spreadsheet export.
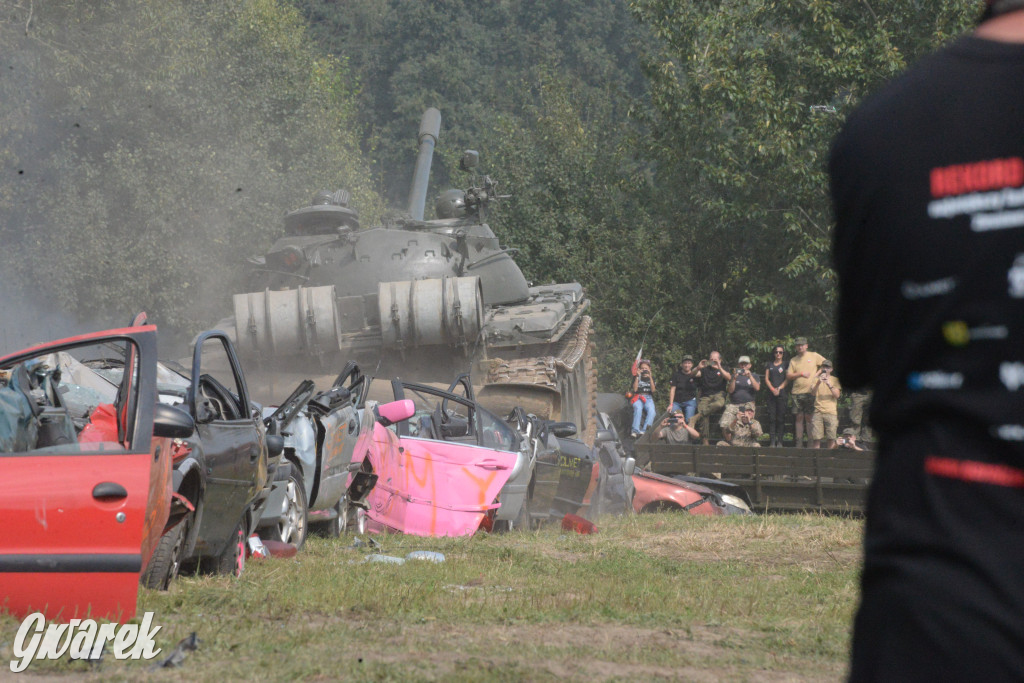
420	299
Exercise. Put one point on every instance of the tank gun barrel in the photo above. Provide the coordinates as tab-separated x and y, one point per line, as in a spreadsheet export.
430	129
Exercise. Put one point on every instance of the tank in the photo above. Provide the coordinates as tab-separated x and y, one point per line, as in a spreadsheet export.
419	299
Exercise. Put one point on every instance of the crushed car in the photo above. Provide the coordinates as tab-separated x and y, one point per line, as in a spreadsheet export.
320	431
223	470
86	465
437	462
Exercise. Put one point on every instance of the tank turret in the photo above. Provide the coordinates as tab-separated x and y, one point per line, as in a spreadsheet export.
421	299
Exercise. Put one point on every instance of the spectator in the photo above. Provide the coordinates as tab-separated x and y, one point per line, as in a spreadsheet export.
848	440
859	403
926	238
675	430
643	399
682	393
775	380
744	430
826	407
743	388
711	381
802	367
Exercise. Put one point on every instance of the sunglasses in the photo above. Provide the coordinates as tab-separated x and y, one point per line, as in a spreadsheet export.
778	351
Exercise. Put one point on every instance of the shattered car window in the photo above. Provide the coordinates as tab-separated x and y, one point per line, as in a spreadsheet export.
64	402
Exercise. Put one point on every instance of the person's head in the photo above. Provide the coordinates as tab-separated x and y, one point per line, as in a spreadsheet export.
825	367
644	367
849	436
687	363
744	362
746	413
800	345
778	352
715	357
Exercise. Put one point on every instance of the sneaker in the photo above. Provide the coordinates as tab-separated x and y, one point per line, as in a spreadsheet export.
634	434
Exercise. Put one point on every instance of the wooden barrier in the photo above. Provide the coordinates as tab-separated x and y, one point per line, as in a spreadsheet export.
810	479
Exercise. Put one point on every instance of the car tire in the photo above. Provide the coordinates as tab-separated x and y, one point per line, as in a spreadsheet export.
336	526
232	559
166	560
293	526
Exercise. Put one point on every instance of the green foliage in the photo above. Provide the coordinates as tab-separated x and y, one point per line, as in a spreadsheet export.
160	144
745	98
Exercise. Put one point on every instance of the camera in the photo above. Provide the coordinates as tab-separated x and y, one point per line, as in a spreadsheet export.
824	375
672	419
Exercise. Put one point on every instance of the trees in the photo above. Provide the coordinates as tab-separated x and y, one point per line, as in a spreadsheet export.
160	143
745	97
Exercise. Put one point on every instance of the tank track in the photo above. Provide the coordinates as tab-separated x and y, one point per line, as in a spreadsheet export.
560	386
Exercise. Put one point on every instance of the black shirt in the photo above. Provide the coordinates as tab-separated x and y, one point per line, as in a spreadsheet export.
686	389
776	374
710	381
743	390
928	187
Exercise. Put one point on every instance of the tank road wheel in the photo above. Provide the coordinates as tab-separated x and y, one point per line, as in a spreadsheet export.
166	560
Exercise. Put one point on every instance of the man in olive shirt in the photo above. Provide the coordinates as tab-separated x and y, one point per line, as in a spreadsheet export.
826	407
674	430
802	369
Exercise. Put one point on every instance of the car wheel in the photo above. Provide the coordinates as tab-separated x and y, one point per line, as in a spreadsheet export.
291	528
232	558
166	560
336	526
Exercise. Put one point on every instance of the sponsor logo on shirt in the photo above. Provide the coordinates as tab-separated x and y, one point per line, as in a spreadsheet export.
1009	432
935	379
1015	276
957	333
1012	375
988	191
922	290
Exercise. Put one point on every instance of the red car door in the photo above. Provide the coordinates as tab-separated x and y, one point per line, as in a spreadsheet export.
74	512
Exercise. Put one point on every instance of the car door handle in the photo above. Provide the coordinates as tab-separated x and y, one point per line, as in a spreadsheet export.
108	490
491	465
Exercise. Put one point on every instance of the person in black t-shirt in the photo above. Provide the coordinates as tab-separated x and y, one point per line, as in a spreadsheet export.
775	380
928	187
682	393
711	380
643	399
742	388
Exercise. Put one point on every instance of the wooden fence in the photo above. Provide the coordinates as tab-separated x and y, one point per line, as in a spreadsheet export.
810	479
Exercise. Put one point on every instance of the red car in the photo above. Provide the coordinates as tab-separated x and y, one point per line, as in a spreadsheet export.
86	467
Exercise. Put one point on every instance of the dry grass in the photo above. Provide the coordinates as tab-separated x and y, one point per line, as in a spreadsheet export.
663	597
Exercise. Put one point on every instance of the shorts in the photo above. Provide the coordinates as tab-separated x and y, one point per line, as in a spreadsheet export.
803	404
824	426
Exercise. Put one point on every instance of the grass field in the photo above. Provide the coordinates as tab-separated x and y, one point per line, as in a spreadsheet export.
652	597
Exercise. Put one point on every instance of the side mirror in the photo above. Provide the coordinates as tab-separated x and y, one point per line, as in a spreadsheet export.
604	435
275	445
396	411
470	158
629	467
172	423
562	429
